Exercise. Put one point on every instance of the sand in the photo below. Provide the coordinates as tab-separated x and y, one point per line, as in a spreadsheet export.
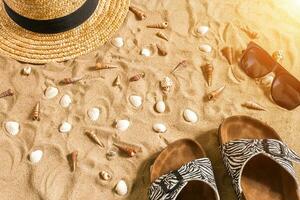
52	178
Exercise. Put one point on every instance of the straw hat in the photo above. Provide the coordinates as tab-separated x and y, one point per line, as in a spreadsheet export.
39	31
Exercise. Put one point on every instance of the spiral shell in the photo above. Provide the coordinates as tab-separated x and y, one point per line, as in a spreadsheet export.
117	82
228	54
73	159
214	94
161	50
129	149
162	35
138	12
26	71
102	66
105	175
251	34
208	71
7	93
162	25
67	81
166	84
253	105
181	64
94	138
278	56
137	77
36	112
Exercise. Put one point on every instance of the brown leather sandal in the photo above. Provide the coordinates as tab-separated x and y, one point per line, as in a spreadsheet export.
183	172
259	163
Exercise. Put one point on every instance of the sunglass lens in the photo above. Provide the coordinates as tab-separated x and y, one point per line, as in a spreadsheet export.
286	91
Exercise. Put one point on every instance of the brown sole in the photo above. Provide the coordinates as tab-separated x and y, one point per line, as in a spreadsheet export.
262	178
175	156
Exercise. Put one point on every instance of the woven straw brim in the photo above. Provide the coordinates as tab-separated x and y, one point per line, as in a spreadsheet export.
30	47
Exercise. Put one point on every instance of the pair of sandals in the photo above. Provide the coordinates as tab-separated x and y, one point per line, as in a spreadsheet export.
257	160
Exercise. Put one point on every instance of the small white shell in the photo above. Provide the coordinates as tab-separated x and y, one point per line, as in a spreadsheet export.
51	92
105	175
36	156
121	188
65	127
159	128
118	42
190	116
136	101
202	30
160	106
205	48
26	71
166	84
146	52
267	80
65	101
93	113
122	125
12	128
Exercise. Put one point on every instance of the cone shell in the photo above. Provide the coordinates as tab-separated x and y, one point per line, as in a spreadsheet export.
102	66
138	12
36	112
26	71
129	149
214	94
74	157
67	81
7	93
137	77
162	36
228	54
161	50
208	71
181	64
278	55
117	81
253	105
251	34
94	137
162	25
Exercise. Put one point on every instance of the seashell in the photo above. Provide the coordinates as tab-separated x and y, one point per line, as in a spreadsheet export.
65	127
162	25
102	66
93	113
94	137
146	52
129	149
251	34
161	50
166	84
65	101
208	71
162	35
138	12
136	101
137	77
190	116
202	30
214	94
160	106
36	112
181	64
74	160
67	81
117	82
110	154
105	175
278	56
205	48
6	93
118	42
121	188
122	125
26	71
36	156
228	54
159	128
253	105
51	92
12	127
267	80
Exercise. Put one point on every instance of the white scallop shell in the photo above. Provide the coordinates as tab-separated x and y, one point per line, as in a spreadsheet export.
146	52
93	113
159	128
118	42
26	70
160	106
190	116
122	125
136	101
65	127
205	48
51	92
121	188
36	156
202	30
65	101
12	128
105	175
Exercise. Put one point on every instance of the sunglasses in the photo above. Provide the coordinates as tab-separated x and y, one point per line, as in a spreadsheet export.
285	89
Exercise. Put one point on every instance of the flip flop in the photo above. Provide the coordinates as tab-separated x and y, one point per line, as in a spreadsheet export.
259	163
183	172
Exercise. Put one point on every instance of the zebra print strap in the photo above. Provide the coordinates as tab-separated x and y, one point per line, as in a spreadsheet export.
168	186
237	153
